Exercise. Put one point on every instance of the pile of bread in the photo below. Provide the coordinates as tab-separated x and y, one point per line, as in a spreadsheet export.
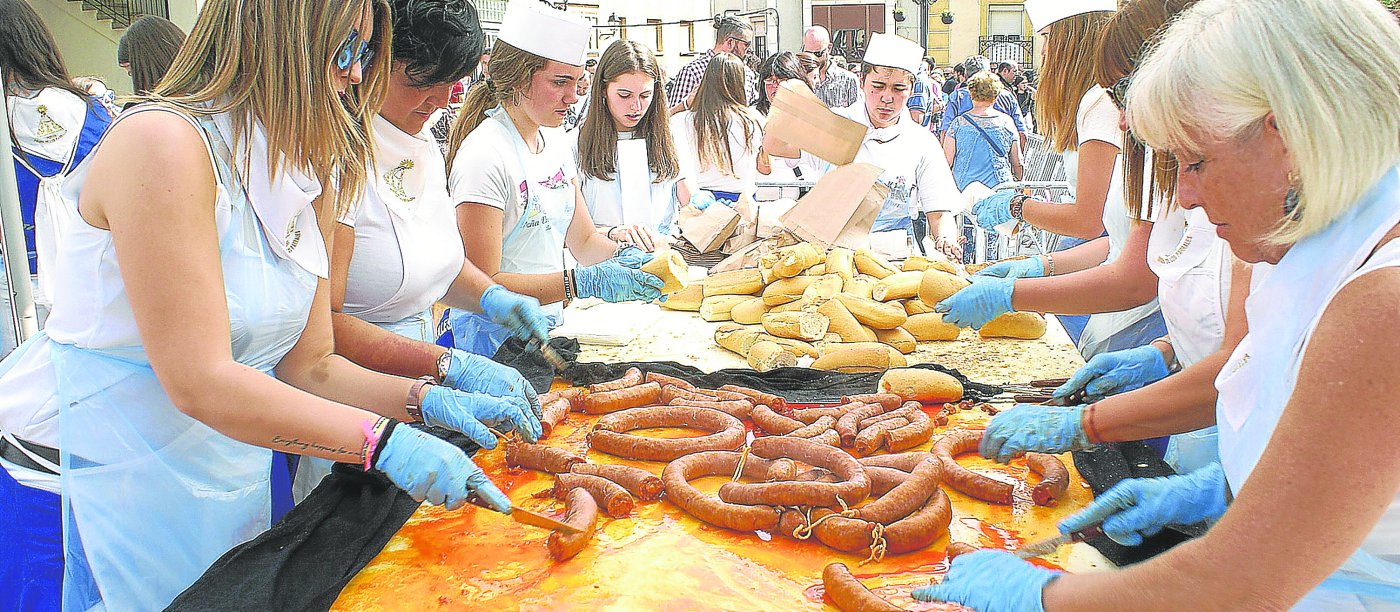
849	311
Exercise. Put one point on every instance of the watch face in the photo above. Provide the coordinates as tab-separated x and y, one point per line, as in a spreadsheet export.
443	364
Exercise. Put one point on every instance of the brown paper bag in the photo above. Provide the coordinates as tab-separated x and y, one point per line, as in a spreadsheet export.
748	256
747	230
800	119
840	209
710	228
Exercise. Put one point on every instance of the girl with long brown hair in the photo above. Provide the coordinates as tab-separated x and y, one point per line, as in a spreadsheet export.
519	207
720	135
191	331
629	169
146	50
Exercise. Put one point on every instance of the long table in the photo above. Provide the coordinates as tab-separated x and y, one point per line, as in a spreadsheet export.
660	558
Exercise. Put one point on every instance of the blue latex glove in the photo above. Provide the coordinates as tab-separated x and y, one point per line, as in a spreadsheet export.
436	471
702	199
633	257
991	581
985	299
1030	267
476	374
1140	507
1117	372
521	314
993	210
616	281
472	413
1036	429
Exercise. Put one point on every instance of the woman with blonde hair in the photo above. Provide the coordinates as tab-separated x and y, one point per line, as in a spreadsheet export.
1289	181
1080	120
982	145
629	168
720	134
519	208
191	330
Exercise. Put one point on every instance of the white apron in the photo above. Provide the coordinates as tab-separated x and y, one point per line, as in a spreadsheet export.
1260	376
151	496
1193	270
632	197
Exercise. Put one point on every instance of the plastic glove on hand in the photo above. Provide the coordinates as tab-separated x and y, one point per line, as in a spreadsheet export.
1030	267
990	581
973	306
1035	429
435	471
473	413
521	314
1139	507
633	257
702	199
1117	372
476	374
993	210
615	281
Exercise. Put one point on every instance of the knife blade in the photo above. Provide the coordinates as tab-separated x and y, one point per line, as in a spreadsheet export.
529	517
1045	547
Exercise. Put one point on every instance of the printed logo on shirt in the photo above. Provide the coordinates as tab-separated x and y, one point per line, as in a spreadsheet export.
531	215
900	191
48	130
555	182
395	181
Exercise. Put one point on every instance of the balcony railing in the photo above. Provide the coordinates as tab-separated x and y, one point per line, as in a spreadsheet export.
123	12
1008	48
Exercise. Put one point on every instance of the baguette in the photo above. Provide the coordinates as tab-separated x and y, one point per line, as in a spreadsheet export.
802	325
1021	325
878	315
898	338
897	286
687	299
794	259
843	323
719	307
824	288
859	360
747	281
927	386
765	356
671	268
929	327
749	312
842	262
736	338
937	285
786	290
870	263
862	286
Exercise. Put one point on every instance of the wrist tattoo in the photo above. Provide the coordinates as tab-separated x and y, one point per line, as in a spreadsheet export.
297	446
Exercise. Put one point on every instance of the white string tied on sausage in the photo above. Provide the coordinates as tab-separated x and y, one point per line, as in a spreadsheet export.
878	545
743	458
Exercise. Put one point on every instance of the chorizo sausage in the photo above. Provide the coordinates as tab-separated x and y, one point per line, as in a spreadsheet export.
905	412
809	415
582	512
778	404
735	408
849	595
852	489
772	422
555	412
898	461
883	479
632	378
905	498
914	532
828	437
637	481
676	480
1054	478
817	426
964	480
919	430
539	457
820	475
575	396
848	424
612	401
671	392
665	380
781	469
609	434
890	401
611	497
872	438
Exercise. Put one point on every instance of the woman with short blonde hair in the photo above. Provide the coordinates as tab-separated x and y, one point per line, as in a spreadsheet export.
1288	181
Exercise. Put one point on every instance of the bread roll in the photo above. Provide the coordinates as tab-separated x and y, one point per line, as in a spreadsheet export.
929	327
898	338
1021	325
857	360
687	299
937	285
765	356
843	323
718	307
927	386
749	312
841	261
878	315
671	268
801	325
747	281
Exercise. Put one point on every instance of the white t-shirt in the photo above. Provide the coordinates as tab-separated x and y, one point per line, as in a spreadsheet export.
915	169
407	247
632	196
1098	120
744	153
535	191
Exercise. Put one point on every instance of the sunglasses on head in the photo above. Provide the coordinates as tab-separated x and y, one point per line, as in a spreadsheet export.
354	51
1119	92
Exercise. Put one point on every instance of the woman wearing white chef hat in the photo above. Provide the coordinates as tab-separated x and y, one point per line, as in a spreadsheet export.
629	169
915	169
518	205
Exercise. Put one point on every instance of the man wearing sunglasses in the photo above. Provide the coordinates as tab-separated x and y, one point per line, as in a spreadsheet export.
734	35
836	86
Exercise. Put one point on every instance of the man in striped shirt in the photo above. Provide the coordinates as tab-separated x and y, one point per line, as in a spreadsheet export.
733	34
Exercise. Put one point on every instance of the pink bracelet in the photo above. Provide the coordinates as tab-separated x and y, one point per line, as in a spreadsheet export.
373	432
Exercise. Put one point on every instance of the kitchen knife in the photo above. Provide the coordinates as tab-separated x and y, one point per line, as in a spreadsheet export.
528	517
1045	547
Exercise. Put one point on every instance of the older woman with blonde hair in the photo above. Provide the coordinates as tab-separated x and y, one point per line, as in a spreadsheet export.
1306	498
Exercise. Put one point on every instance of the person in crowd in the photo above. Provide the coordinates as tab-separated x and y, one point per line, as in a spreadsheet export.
1269	168
777	69
203	207
591	66
720	136
921	98
54	125
733	35
835	86
952	79
628	165
937	99
147	49
915	171
1079	118
960	101
519	208
982	145
98	90
398	250
580	108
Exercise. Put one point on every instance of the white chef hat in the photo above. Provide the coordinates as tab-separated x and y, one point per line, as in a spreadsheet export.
537	28
893	51
1045	12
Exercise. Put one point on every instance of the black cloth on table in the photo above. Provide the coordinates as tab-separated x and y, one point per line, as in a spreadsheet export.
1107	464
